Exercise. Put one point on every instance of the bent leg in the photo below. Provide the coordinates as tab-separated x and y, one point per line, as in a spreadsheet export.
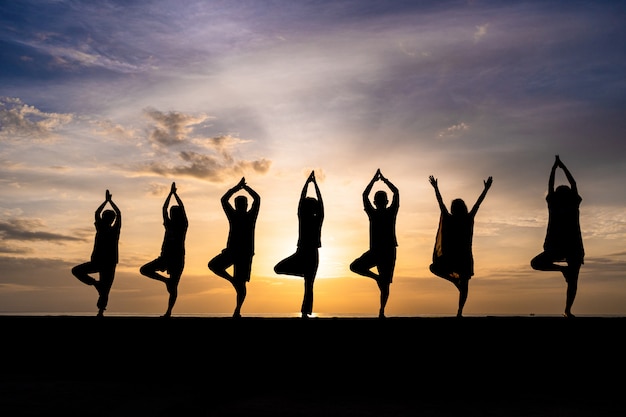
545	262
219	264
363	265
82	272
292	265
150	270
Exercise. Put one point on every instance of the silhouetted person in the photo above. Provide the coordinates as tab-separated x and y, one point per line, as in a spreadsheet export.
452	256
172	257
383	242
305	261
563	242
240	245
104	256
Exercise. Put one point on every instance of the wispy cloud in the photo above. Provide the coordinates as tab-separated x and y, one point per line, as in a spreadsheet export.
480	33
24	229
213	168
453	131
172	128
22	121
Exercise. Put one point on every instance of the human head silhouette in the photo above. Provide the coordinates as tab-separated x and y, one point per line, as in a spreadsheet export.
380	199
563	193
176	213
458	207
562	189
241	203
310	207
108	216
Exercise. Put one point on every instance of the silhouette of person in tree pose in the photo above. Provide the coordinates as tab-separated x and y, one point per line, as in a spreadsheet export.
383	242
240	245
452	256
104	256
563	242
172	257
305	261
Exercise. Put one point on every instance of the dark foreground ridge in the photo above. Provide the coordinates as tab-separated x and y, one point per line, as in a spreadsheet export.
475	366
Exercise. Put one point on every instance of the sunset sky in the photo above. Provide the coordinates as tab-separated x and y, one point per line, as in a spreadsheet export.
131	96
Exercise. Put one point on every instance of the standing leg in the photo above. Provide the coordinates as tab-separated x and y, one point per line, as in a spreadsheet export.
307	300
571	277
384	296
240	288
241	275
386	266
107	274
463	286
172	288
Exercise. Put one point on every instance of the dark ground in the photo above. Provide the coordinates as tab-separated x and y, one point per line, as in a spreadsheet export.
185	366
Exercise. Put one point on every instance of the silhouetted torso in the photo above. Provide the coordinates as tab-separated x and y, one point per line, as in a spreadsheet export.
455	244
174	240
563	234
382	227
310	231
105	248
241	232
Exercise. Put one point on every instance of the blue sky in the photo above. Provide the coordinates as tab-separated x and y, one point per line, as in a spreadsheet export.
130	96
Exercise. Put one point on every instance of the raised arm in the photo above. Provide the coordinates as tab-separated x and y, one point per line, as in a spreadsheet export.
557	161
98	211
228	194
318	194
442	206
180	204
256	198
118	213
174	193
568	175
305	188
368	189
482	195
395	201
166	204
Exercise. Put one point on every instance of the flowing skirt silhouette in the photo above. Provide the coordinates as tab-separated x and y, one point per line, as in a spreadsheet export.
452	253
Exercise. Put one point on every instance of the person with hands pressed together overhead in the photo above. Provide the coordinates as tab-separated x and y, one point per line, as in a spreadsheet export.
382	236
563	242
239	249
305	261
172	257
104	257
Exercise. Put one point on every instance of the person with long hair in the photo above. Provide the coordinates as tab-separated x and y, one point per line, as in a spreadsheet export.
304	262
563	249
172	257
105	255
453	259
